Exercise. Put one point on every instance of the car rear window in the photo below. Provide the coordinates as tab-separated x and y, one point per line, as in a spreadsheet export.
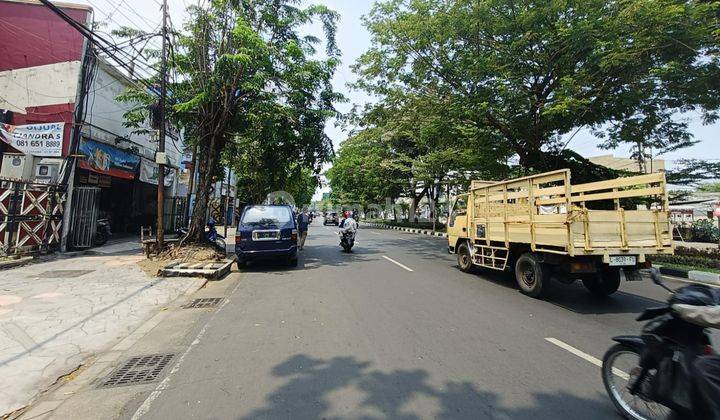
266	215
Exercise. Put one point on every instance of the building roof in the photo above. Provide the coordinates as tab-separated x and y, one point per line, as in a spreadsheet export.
59	4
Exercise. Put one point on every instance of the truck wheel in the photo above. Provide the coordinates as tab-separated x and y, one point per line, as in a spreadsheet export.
605	283
464	258
530	275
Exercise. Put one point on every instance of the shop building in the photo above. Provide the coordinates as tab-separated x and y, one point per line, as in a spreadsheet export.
107	170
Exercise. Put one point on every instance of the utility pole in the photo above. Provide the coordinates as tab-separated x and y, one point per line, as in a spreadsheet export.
227	201
160	157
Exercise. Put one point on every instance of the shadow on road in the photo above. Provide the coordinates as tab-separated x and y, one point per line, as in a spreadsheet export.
390	395
575	297
313	257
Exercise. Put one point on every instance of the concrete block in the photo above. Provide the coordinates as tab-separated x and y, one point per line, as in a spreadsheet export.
704	277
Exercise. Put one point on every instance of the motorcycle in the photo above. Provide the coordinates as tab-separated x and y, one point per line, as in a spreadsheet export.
102	232
212	235
347	240
649	376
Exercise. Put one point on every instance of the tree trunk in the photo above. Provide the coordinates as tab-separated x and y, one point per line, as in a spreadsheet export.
415	202
207	164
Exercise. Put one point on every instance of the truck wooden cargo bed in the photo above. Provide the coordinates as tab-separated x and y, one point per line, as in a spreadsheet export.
550	215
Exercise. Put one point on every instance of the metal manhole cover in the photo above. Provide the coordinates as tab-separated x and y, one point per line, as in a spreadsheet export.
203	303
138	370
64	274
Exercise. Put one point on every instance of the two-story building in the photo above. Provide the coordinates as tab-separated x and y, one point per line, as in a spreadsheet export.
47	71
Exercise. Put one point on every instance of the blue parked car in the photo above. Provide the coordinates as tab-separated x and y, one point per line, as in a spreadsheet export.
266	232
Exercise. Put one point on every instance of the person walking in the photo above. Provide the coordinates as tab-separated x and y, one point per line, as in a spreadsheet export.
302	223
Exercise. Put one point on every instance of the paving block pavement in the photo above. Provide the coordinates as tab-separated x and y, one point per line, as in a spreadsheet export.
57	314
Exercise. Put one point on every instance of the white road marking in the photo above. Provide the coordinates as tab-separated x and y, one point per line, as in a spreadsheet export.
145	406
375	233
397	263
594	360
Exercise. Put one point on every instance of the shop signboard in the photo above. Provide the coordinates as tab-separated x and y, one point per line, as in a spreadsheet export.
44	140
149	171
108	160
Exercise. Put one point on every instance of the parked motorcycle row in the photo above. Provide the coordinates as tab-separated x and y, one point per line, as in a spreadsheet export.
667	371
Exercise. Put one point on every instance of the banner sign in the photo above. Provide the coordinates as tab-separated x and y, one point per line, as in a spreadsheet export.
35	139
149	171
108	160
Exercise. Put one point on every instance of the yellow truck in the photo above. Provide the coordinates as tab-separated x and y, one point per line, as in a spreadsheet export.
545	228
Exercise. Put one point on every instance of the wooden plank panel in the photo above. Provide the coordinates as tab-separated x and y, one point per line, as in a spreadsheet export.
551	218
620	182
546	177
549	201
619	194
560	190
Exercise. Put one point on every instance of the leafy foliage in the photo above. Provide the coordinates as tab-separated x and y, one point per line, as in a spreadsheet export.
249	93
522	74
704	230
710	187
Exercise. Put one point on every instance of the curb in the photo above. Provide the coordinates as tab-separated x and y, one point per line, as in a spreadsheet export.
698	276
210	271
16	263
404	229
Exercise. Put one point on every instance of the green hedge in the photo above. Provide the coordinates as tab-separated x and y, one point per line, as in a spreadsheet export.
699	258
705	230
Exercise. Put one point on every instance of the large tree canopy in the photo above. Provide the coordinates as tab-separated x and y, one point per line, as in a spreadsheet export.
528	72
250	92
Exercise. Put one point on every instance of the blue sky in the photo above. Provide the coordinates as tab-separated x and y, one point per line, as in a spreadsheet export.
353	39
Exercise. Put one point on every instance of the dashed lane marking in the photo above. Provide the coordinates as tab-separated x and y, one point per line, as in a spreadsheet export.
397	263
579	353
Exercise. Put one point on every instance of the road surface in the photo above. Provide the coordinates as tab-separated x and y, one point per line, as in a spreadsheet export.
392	331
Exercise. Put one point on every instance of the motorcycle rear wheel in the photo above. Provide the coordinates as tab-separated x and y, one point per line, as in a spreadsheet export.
616	378
101	237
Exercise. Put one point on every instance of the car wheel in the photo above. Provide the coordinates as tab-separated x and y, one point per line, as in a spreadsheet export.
241	264
293	261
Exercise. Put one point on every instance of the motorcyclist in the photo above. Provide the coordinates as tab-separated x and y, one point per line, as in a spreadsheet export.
706	369
348	224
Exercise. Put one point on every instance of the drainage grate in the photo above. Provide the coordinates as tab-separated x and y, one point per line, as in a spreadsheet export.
138	370
63	274
203	303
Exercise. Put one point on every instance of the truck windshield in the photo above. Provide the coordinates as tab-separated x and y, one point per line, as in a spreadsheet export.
265	215
460	207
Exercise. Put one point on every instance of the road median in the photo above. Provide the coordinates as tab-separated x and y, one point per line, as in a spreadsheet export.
376	225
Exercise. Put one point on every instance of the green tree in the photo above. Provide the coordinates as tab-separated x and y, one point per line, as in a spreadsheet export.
528	72
250	93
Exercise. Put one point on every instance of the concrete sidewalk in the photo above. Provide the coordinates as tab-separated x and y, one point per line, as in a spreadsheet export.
57	314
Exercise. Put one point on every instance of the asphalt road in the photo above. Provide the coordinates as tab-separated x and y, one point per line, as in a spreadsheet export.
394	330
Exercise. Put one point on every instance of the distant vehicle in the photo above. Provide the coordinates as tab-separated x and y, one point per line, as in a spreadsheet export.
545	228
331	218
266	232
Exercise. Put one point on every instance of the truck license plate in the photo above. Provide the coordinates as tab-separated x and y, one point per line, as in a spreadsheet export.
622	260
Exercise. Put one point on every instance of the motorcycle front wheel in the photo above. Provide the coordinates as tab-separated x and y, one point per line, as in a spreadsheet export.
101	237
620	369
